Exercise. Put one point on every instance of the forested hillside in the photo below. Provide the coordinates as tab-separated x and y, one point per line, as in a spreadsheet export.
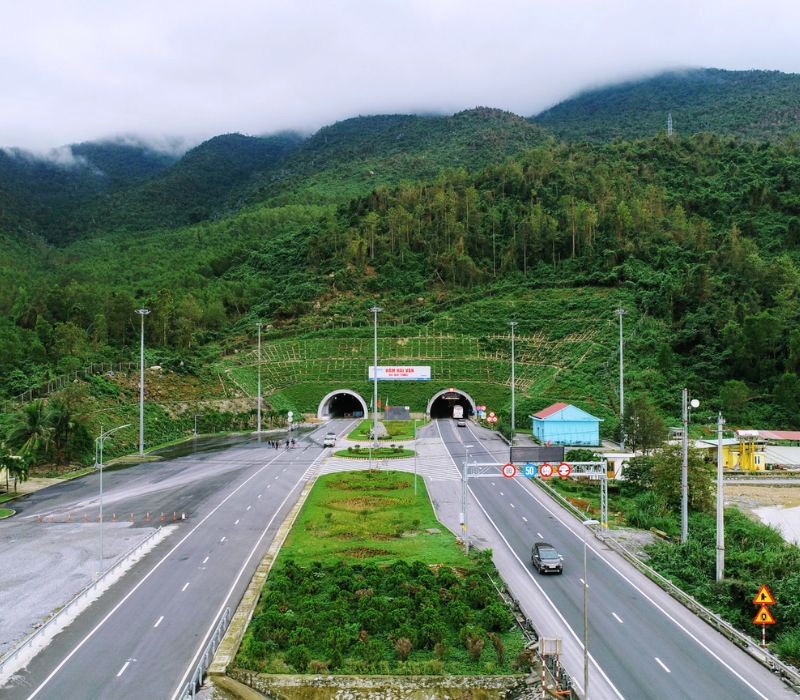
762	105
697	236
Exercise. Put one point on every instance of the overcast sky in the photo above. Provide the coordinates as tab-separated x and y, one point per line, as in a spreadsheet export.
75	70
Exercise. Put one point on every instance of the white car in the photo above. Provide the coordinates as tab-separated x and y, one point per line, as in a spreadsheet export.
329	440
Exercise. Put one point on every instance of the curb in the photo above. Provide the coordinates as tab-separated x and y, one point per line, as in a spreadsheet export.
244	612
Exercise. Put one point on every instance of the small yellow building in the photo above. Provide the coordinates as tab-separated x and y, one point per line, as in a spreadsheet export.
745	452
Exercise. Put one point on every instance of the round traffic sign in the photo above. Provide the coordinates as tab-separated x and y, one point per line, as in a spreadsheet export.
564	470
509	471
492	419
546	470
491	414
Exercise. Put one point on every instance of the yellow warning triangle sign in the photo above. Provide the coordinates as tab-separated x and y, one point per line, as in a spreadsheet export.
764	617
763	597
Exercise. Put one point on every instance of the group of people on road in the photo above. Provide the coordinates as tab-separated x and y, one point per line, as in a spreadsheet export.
277	443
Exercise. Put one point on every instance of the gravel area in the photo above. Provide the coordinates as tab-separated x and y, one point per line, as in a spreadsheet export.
42	565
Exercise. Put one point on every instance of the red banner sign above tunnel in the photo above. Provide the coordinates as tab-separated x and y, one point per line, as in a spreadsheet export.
402	374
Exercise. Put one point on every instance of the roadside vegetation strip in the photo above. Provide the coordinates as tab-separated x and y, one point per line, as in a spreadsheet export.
368	584
6	512
754	553
397	429
378	453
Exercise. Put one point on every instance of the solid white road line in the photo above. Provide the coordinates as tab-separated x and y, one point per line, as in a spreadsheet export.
205	560
122	670
661	663
185	586
652	601
617	618
214	620
158	621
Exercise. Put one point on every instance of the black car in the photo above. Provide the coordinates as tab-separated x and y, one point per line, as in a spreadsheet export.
546	559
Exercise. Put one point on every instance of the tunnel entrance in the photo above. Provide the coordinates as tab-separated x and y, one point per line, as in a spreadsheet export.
442	404
342	403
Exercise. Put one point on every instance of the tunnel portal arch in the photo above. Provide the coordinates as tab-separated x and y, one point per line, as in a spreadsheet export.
341	403
441	403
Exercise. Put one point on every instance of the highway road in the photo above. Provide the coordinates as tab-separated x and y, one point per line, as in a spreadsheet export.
642	646
143	638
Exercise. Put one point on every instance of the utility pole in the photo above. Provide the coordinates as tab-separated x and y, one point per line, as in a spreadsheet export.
720	504
513	325
621	312
685	466
142	313
258	430
464	487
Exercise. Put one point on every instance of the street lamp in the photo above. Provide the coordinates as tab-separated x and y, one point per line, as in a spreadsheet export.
621	312
415	457
586	523
720	504
142	313
464	486
258	430
513	325
375	311
98	450
685	464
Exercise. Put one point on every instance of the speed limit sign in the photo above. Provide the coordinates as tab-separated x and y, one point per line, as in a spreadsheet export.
509	470
546	470
564	470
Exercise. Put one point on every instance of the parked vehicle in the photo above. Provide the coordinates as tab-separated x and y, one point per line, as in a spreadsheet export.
329	440
546	559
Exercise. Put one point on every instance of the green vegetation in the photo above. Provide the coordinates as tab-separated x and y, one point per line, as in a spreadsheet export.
361	587
6	513
359	452
397	429
369	514
754	553
753	104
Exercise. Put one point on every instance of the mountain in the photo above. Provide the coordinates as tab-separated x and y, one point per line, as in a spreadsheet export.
354	156
754	104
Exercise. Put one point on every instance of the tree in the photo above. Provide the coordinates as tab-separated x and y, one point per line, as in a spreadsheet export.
733	395
31	434
644	427
666	474
15	466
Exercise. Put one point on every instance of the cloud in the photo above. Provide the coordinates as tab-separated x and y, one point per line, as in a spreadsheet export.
83	70
60	157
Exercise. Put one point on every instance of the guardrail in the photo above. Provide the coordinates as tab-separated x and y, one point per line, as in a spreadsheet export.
190	690
36	641
787	673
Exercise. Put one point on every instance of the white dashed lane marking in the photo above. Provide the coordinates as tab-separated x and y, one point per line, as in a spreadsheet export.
185	586
127	663
205	560
158	621
617	618
237	522
524	518
661	663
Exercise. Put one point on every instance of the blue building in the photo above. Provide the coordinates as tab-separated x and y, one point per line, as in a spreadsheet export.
565	424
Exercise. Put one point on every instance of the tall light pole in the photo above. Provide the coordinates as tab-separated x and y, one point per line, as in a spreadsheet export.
513	325
98	448
621	312
586	523
720	504
258	429
415	457
142	313
685	464
375	311
464	487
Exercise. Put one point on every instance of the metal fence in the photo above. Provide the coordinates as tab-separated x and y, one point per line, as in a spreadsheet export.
46	388
190	691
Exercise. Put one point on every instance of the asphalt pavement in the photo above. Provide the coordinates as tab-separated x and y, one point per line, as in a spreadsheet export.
644	644
144	637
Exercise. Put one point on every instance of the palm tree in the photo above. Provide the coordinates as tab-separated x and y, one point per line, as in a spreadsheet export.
31	434
14	465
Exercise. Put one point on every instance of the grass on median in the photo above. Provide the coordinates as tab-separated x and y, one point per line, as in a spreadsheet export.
369	584
397	429
6	513
379	453
369	515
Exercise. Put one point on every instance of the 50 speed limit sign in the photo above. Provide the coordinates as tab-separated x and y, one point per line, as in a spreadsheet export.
509	470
